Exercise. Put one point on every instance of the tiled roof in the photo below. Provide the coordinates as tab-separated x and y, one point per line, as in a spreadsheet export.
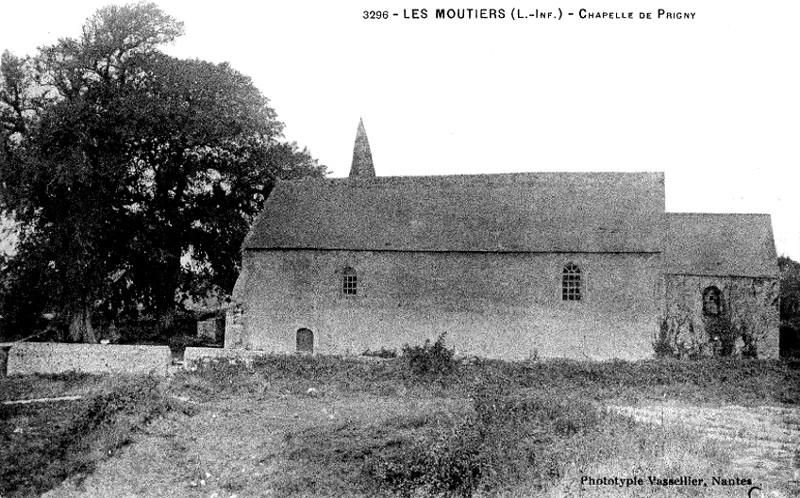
720	244
521	212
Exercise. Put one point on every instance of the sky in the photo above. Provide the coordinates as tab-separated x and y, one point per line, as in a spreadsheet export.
712	100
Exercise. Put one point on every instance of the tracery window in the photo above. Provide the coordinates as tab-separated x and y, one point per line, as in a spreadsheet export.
349	282
571	283
712	301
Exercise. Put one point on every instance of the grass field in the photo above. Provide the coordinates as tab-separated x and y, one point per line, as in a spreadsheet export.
326	426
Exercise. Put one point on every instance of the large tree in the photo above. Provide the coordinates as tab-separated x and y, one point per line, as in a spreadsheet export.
790	306
123	165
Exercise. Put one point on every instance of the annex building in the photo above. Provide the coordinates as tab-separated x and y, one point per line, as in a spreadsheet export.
579	265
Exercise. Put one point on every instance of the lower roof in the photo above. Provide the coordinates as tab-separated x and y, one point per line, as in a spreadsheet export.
720	244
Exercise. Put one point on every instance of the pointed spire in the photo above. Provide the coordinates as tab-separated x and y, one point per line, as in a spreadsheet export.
362	157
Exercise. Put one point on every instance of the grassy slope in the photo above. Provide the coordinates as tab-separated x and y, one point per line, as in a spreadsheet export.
374	428
43	444
554	428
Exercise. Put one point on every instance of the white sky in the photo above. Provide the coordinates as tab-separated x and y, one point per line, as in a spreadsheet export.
713	102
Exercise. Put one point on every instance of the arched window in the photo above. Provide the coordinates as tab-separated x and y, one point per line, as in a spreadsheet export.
712	301
305	341
571	283
349	282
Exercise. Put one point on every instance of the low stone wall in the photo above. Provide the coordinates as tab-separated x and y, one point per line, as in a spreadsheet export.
193	355
48	358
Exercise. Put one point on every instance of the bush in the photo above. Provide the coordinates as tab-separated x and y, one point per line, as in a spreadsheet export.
430	360
449	464
661	343
131	405
382	353
789	341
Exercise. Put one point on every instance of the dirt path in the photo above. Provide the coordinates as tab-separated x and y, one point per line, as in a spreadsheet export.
766	439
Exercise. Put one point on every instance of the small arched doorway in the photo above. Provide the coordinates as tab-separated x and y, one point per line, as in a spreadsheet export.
305	340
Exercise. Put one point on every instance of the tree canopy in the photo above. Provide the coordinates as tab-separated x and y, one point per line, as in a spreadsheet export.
790	306
134	175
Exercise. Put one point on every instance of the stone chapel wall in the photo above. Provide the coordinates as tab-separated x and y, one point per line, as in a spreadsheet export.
490	304
749	316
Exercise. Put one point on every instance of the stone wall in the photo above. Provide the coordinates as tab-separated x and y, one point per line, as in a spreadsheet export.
47	358
193	355
493	305
749	320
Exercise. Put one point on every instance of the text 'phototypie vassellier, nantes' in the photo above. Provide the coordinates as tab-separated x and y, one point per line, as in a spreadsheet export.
526	14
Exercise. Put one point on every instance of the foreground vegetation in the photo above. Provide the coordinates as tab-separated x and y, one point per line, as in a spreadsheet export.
423	424
714	380
41	445
520	428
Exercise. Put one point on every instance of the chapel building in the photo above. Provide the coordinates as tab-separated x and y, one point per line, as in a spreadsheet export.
512	266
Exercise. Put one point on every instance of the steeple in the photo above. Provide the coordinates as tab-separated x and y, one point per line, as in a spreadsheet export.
362	157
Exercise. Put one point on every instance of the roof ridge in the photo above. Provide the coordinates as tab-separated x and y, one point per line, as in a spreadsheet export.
695	213
495	177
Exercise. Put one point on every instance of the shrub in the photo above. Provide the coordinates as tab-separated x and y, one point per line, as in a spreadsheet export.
430	360
449	464
661	343
130	405
789	340
749	347
382	353
678	338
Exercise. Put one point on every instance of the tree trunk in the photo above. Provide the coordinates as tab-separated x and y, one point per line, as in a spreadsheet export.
80	326
170	270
